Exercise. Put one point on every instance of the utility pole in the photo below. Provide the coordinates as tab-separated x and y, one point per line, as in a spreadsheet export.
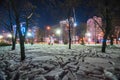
74	25
74	14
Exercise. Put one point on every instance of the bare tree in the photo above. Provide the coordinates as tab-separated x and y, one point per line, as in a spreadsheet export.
16	7
7	22
106	11
81	30
28	10
66	8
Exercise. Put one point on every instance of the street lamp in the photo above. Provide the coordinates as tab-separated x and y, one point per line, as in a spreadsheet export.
88	35
1	36
8	38
9	35
119	39
30	37
48	28
58	31
75	24
29	34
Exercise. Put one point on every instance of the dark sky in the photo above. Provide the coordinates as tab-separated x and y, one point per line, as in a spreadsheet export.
51	17
47	18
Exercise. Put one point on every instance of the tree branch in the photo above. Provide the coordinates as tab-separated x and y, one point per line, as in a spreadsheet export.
99	25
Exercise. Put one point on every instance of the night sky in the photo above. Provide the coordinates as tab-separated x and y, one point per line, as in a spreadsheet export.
48	17
52	17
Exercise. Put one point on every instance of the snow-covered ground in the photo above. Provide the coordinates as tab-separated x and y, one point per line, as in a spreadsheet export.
57	62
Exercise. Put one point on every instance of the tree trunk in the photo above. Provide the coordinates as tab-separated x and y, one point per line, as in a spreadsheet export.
14	40
11	28
104	43
69	36
22	48
21	36
107	29
17	16
111	40
69	28
82	41
13	43
117	36
117	40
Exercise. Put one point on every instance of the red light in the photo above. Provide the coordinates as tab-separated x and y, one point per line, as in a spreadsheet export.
48	28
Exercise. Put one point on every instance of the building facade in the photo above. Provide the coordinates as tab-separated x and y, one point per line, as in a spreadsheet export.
94	32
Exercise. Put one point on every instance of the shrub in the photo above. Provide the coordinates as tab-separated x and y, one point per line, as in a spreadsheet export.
65	42
4	44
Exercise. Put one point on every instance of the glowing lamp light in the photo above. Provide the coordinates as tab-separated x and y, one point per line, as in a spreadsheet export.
119	39
88	34
75	24
48	28
58	31
9	36
89	39
1	36
29	34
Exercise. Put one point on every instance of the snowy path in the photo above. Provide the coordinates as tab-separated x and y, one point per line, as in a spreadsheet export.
54	62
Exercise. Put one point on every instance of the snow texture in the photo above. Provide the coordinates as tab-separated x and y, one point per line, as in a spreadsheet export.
57	62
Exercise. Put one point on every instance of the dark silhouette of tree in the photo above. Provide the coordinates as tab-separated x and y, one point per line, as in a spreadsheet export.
17	10
81	30
116	31
17	16
105	9
66	9
7	20
28	10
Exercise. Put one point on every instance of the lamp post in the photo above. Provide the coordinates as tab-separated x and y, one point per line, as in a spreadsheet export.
58	32
74	32
74	26
1	38
88	36
9	36
30	36
48	28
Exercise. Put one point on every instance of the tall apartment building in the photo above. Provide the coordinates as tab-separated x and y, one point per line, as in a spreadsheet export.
94	29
